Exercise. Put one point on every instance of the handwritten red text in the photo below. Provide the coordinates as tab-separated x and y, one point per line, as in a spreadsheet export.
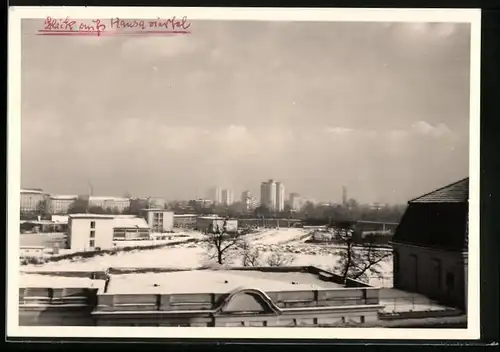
59	24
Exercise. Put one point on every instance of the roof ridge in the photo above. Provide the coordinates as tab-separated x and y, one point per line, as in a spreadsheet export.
438	189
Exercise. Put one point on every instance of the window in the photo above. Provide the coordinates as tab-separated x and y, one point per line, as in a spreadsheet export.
92	234
92	224
92	243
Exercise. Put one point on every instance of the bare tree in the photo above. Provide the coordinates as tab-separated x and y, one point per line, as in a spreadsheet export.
279	259
251	256
356	261
220	243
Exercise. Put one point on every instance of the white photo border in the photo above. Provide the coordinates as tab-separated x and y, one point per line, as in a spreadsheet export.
16	14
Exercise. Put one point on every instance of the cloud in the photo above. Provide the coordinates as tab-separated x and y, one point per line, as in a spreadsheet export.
339	130
439	130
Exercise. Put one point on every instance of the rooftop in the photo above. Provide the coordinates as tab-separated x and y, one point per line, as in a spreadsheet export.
90	216
437	219
185	215
457	192
63	197
120	222
215	281
34	191
109	198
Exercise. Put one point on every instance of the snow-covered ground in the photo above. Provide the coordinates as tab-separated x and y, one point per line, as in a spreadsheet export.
192	255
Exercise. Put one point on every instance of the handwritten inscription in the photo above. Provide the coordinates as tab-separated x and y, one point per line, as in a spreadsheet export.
115	26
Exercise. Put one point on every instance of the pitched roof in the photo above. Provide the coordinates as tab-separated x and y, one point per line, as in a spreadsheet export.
457	192
438	219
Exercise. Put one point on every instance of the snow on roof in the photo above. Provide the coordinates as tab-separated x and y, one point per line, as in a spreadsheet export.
185	215
109	198
90	216
59	218
219	281
32	191
120	222
63	197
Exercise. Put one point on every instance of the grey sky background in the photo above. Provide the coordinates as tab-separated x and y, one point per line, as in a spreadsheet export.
382	108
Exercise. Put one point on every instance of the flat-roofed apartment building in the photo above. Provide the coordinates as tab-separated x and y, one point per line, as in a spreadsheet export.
87	232
237	297
60	204
159	220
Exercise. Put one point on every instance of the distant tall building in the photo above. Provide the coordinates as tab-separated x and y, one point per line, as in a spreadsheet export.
272	195
227	197
296	201
280	196
344	195
216	195
268	195
249	202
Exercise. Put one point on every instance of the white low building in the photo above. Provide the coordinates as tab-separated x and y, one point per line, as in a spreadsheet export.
130	228
88	232
211	223
159	220
31	251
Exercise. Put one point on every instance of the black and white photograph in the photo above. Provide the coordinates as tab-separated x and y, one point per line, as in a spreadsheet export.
174	169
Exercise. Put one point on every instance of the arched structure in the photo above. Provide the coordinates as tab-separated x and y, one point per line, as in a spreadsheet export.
245	300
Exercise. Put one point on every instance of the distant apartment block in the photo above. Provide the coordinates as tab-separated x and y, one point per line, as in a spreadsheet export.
202	203
249	202
272	195
227	197
60	204
280	196
109	202
215	194
33	200
88	232
296	201
159	220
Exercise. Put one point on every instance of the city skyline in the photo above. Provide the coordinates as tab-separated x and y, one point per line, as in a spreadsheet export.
380	108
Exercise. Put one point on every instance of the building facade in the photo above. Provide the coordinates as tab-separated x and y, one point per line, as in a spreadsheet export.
215	194
87	232
126	300
249	202
430	246
60	204
110	203
186	221
33	201
211	223
126	228
280	196
159	220
227	197
268	195
296	201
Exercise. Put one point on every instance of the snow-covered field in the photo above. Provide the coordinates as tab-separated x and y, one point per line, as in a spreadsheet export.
191	255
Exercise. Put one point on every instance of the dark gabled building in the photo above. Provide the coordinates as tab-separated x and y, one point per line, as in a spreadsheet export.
431	245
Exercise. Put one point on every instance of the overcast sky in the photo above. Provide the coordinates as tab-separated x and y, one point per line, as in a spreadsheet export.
380	108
